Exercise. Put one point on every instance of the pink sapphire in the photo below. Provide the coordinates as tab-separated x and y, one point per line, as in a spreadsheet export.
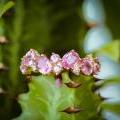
89	65
55	58
28	63
69	59
77	67
43	64
56	63
57	68
86	67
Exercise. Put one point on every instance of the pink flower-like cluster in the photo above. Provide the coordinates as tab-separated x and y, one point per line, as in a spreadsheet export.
71	61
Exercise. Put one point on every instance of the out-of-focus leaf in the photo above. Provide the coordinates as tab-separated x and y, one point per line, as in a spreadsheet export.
110	116
96	38
45	101
4	8
111	91
115	108
93	11
115	80
109	68
110	50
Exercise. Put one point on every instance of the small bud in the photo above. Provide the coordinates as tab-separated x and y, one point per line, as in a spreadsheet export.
73	84
3	67
2	91
58	82
71	110
3	40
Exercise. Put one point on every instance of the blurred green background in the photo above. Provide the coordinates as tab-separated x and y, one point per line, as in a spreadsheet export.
88	26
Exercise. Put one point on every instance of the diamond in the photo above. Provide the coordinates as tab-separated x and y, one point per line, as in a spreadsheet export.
43	64
89	65
28	63
55	58
56	63
77	67
69	59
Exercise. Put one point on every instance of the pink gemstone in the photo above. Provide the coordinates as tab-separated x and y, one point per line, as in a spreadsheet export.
43	64
31	54
57	68
56	63
28	63
77	67
69	59
89	65
55	58
86	67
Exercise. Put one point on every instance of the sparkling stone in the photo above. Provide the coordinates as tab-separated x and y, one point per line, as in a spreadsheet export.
57	68
43	64
86	68
69	59
56	63
28	63
89	65
55	58
76	68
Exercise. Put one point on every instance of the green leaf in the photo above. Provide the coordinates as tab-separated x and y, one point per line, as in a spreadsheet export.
110	50
4	8
46	101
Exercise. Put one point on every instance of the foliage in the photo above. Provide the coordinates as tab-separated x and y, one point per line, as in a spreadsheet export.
4	8
47	101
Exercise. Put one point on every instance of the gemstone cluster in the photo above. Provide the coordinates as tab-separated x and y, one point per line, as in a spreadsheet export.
71	61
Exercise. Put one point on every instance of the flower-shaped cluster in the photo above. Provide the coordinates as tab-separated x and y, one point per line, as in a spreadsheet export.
71	61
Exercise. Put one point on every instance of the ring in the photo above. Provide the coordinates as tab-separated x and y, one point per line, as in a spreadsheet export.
71	61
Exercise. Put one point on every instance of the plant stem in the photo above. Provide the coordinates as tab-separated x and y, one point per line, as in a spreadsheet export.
15	37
